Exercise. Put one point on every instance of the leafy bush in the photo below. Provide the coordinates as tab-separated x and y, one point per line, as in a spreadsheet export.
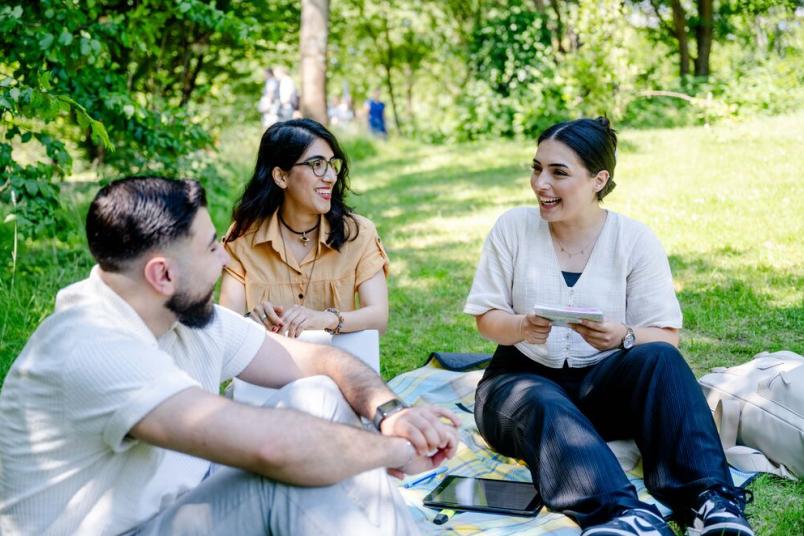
72	71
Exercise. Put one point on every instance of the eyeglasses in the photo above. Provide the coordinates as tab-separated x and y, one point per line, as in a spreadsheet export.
320	165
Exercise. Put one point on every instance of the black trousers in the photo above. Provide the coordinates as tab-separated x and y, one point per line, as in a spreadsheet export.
558	422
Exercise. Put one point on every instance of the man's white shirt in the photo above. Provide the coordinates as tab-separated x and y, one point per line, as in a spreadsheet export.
87	375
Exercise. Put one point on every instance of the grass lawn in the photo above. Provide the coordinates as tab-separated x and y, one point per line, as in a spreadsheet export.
725	201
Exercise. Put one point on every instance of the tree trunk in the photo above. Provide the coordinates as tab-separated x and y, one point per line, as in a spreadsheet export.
389	63
409	82
703	36
559	31
680	29
313	41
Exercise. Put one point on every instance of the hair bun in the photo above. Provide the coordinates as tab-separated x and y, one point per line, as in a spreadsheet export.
604	122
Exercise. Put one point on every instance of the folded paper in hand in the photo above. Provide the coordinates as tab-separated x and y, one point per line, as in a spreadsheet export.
561	316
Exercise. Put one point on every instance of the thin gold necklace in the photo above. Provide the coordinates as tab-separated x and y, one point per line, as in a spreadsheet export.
302	295
571	254
592	242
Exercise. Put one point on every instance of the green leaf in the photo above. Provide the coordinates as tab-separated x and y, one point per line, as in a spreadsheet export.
85	47
44	80
65	38
14	93
26	137
9	218
82	118
16	12
7	81
32	187
184	7
99	131
46	41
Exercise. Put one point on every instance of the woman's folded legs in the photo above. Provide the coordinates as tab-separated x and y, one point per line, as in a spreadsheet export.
532	418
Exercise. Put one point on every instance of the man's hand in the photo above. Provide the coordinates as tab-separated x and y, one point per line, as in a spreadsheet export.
601	335
419	464
427	431
534	329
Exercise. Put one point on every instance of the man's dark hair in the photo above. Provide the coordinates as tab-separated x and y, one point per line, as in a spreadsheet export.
595	143
131	216
281	146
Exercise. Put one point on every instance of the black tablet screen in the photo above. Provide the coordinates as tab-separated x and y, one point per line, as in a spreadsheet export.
485	493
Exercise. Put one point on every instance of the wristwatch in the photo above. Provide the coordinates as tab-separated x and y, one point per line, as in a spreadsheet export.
629	339
386	410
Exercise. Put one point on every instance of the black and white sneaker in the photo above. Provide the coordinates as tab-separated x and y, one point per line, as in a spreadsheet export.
720	513
635	521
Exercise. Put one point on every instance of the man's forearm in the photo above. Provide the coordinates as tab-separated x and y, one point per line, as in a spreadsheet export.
346	451
281	444
361	386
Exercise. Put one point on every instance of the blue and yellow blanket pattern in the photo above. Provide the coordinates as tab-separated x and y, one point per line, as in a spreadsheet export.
456	391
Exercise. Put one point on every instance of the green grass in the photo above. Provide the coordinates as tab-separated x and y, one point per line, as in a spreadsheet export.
726	202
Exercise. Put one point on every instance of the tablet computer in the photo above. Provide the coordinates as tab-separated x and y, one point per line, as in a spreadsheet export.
485	495
561	316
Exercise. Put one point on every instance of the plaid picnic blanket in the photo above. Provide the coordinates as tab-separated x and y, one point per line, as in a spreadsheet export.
456	391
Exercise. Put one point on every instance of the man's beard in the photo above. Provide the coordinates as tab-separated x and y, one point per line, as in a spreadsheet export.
190	311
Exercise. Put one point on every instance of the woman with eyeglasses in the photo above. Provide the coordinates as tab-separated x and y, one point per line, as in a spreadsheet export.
299	255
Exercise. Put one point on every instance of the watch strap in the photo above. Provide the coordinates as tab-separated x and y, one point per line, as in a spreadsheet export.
387	409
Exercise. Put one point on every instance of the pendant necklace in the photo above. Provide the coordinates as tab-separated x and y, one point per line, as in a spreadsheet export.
303	238
303	294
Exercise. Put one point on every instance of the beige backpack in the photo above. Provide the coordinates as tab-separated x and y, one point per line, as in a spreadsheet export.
759	409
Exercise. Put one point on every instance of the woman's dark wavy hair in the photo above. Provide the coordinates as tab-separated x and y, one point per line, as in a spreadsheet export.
595	143
281	146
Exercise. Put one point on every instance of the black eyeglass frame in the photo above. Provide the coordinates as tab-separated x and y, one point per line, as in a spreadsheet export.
330	164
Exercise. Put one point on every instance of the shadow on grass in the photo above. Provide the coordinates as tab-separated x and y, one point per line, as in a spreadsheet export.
732	313
430	193
426	307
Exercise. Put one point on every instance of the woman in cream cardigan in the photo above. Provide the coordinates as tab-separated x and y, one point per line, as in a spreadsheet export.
553	395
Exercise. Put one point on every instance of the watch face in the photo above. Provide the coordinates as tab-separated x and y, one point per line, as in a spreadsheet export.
386	410
389	406
628	340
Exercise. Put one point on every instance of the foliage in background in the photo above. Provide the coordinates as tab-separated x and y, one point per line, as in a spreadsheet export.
481	69
145	79
156	79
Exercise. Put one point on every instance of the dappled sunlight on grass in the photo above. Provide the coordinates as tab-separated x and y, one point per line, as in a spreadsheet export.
725	202
733	233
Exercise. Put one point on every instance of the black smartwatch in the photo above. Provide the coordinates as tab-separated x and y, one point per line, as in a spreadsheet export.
386	410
